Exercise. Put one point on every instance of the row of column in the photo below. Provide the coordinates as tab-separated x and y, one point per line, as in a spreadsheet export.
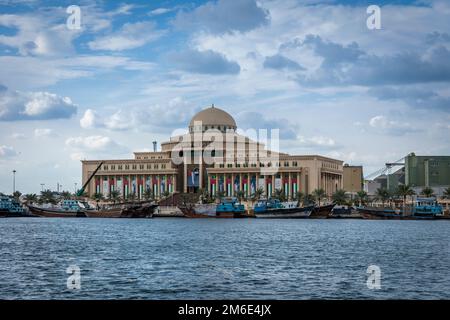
137	184
249	182
330	182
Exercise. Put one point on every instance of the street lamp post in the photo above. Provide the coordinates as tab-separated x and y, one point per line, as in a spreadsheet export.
14	180
42	186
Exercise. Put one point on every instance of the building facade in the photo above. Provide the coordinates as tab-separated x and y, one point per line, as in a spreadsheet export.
353	179
427	171
213	156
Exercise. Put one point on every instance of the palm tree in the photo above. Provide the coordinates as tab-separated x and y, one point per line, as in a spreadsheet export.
427	192
132	196
114	196
339	197
279	194
220	194
98	196
148	195
166	194
383	195
447	193
319	194
257	194
16	195
308	199
30	198
240	195
299	196
66	195
362	197
404	191
47	196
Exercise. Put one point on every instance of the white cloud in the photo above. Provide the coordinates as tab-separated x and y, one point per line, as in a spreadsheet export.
7	152
18	136
37	35
160	11
17	105
44	133
317	141
175	113
130	36
89	119
393	127
96	143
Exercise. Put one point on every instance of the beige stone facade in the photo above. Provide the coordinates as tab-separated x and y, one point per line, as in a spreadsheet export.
214	157
353	178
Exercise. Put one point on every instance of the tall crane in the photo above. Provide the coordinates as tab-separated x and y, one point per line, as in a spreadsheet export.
81	191
386	170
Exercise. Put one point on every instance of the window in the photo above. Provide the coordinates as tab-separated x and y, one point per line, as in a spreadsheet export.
119	167
229	165
134	167
105	167
155	166
141	167
127	167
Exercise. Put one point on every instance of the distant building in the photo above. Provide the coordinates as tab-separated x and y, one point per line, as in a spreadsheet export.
242	165
353	178
427	171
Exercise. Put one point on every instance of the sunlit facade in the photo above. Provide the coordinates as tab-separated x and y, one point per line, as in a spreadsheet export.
212	155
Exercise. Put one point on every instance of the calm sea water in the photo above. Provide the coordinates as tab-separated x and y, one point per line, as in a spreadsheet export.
223	259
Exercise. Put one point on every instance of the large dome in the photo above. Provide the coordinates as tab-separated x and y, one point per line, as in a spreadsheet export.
213	118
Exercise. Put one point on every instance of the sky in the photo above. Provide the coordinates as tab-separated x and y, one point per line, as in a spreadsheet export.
137	71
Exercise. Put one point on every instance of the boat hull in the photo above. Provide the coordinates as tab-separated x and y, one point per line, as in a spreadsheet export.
139	211
190	212
52	213
322	212
289	213
387	214
107	213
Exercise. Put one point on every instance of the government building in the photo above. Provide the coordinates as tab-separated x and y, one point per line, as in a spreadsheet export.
213	156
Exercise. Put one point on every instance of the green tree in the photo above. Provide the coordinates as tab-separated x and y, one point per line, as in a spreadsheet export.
240	195
362	197
114	196
16	195
319	194
279	194
166	194
132	196
30	198
308	199
255	196
427	192
148	195
220	194
98	196
47	196
339	197
383	195
299	197
404	191
66	195
447	193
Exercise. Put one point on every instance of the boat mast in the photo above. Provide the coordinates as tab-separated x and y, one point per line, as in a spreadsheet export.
81	191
